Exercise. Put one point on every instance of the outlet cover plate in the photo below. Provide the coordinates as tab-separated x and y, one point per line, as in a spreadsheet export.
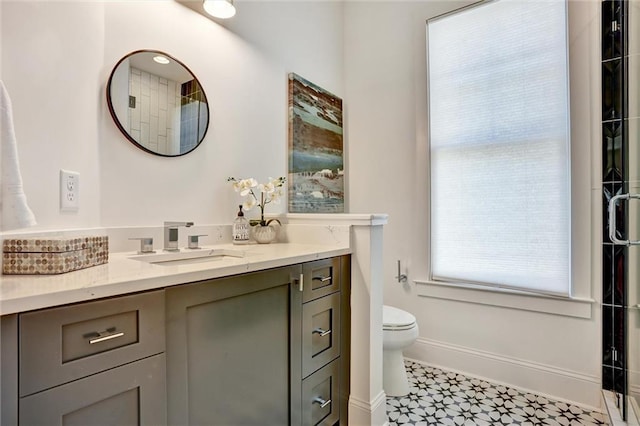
69	191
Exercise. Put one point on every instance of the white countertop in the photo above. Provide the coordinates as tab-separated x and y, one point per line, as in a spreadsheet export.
121	275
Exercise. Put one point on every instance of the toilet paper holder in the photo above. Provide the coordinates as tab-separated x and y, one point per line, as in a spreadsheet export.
402	278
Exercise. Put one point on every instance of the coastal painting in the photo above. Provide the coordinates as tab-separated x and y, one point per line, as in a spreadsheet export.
316	160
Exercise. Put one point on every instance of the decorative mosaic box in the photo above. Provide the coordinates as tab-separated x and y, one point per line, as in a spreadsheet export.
53	256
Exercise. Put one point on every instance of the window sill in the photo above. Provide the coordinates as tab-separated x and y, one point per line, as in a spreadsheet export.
509	298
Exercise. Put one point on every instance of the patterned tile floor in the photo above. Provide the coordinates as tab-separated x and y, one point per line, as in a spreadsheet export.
440	397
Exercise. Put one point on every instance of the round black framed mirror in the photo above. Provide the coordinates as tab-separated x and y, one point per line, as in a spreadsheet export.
157	103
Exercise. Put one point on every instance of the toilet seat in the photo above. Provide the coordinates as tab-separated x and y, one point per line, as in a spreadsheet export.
396	319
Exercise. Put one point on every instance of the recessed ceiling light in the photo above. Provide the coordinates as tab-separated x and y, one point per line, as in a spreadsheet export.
161	59
219	8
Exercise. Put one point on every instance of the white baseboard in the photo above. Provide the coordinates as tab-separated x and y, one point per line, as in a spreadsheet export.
367	413
553	382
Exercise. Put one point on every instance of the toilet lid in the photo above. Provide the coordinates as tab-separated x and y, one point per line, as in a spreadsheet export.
396	318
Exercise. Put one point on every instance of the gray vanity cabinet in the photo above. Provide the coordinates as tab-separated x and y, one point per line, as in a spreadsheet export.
262	348
98	362
228	349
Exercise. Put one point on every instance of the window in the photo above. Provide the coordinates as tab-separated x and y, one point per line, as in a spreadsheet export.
499	146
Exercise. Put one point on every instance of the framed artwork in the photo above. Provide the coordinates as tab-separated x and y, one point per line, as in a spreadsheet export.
316	157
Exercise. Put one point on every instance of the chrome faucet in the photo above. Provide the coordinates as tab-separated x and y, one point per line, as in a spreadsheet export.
171	234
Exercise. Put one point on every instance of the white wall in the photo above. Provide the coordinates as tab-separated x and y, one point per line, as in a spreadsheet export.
0	43
386	122
56	68
52	76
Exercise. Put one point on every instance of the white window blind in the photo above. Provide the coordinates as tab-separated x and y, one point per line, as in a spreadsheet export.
499	146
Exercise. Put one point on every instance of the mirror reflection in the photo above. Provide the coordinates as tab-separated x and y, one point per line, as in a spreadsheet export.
157	103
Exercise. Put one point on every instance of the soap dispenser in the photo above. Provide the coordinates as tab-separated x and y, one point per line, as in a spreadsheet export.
240	230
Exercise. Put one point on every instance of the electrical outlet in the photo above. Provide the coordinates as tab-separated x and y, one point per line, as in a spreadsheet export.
69	190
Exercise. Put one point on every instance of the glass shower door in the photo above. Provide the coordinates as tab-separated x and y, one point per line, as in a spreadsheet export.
632	187
621	186
621	192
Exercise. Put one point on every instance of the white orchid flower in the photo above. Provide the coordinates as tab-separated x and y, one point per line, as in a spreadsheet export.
249	204
246	185
276	196
268	188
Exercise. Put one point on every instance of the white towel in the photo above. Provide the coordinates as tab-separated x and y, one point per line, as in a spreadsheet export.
15	213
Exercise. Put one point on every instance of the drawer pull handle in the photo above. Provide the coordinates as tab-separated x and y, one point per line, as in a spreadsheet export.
301	283
322	332
105	335
322	402
323	279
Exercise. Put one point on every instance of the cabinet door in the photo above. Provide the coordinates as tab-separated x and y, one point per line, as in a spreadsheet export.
321	278
133	394
228	349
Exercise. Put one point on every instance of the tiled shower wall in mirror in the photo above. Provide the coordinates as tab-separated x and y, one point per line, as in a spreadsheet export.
154	111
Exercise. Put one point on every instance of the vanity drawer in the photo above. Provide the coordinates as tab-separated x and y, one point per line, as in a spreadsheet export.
63	344
321	278
321	395
320	333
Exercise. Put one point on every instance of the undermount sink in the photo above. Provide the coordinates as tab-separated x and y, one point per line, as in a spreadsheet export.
188	256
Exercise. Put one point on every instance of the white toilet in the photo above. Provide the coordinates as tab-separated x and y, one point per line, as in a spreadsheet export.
399	330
